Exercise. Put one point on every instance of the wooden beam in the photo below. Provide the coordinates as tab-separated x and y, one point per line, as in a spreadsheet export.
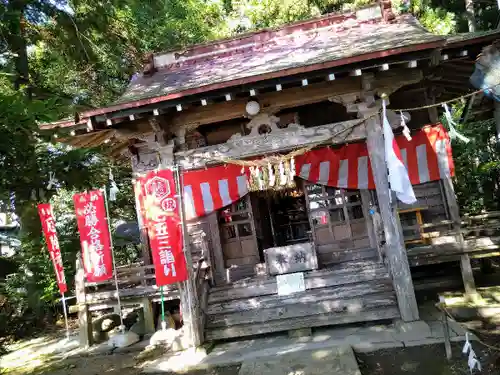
465	265
275	101
394	250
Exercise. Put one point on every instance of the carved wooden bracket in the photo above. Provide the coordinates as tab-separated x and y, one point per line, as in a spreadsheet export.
263	123
145	160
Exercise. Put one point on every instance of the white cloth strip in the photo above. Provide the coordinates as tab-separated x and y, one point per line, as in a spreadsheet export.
241	181
343	173
206	195
363	172
305	170
224	192
189	201
442	156
324	172
404	155
423	168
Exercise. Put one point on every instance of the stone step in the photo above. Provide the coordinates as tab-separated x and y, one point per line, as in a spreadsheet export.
333	361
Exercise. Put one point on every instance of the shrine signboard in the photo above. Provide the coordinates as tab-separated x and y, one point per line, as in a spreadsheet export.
291	258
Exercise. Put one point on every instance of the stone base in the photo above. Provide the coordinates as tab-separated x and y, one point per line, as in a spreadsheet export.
174	340
334	361
302	332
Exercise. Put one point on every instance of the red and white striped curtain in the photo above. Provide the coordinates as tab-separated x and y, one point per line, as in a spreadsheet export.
427	157
210	189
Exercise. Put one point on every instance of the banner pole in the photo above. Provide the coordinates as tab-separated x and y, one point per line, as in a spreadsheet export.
187	254
122	327
163	322
65	315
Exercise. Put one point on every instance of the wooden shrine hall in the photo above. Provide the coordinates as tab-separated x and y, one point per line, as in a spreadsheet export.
278	138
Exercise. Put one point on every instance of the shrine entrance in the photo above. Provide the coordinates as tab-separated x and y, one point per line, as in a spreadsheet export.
282	217
261	220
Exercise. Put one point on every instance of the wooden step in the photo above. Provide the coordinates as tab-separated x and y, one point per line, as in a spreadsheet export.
297	309
380	313
312	280
340	269
312	296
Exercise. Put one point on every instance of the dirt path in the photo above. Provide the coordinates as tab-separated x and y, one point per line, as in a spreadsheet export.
426	360
55	356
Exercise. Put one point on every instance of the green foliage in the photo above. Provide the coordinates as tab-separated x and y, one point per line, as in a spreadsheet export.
247	15
478	168
438	21
477	164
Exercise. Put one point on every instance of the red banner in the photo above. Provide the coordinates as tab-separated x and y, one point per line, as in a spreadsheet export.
164	227
49	229
94	235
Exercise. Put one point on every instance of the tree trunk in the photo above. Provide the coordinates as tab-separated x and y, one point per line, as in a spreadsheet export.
17	42
469	14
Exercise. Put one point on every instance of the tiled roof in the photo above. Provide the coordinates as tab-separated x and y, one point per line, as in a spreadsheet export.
279	55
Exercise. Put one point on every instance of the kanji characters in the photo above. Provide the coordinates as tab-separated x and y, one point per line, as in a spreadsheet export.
166	256
54	241
49	229
169	267
91	220
93	227
51	225
100	270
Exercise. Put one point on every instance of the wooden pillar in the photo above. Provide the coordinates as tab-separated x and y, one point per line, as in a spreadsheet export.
149	318
394	248
187	290
371	221
143	232
219	270
84	316
465	265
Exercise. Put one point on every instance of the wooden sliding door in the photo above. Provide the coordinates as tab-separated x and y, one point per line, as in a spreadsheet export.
338	221
238	237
